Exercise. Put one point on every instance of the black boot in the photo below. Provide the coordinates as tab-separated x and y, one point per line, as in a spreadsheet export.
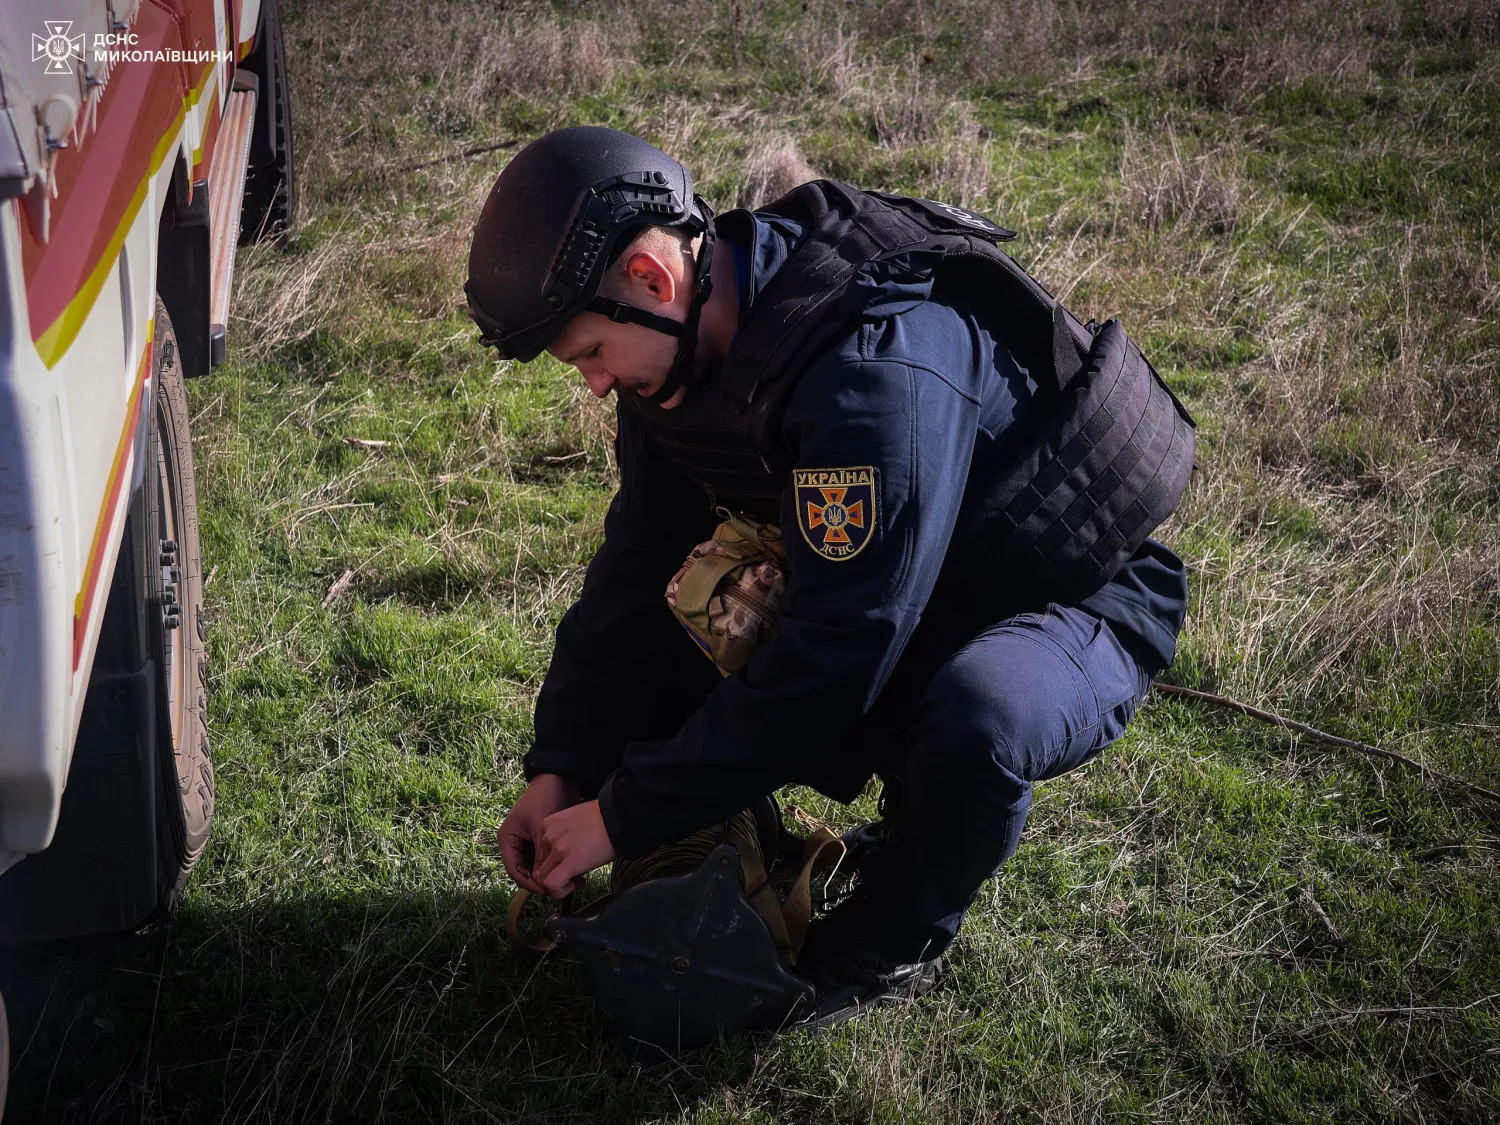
850	977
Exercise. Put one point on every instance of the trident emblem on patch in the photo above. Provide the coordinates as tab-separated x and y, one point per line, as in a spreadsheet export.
836	509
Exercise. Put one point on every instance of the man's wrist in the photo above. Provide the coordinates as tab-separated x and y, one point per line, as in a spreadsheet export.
537	764
619	835
555	782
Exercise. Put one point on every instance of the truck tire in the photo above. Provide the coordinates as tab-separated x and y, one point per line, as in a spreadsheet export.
267	207
139	800
175	597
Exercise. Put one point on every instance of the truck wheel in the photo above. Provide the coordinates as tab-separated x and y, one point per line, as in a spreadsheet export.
174	601
267	207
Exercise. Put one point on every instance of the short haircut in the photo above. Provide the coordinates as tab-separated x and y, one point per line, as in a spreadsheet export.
664	242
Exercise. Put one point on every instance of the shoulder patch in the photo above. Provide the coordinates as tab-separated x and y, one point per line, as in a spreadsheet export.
835	509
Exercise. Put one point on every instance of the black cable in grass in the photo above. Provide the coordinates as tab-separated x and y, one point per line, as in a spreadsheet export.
1324	736
477	150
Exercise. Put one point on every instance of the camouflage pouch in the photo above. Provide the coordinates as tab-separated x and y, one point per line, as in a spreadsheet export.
728	593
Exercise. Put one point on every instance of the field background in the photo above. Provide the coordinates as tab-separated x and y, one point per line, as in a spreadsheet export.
1292	205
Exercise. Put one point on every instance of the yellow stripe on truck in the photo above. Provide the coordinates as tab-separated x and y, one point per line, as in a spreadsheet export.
54	343
111	491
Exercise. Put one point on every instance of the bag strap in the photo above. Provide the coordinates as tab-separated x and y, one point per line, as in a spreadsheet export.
1067	361
787	921
802	308
797	310
519	941
821	849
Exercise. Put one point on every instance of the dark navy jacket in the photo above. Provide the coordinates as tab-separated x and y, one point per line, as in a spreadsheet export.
925	392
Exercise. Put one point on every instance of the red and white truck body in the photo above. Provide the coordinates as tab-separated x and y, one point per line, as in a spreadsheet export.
114	112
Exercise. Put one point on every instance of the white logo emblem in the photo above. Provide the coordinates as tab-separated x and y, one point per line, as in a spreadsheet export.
966	217
57	47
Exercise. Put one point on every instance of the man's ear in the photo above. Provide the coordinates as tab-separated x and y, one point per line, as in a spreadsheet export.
648	274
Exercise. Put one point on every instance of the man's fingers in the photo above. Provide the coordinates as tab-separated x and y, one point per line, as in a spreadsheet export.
562	880
548	863
558	872
513	849
510	850
562	890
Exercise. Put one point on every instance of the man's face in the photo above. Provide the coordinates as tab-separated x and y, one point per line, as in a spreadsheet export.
628	358
615	357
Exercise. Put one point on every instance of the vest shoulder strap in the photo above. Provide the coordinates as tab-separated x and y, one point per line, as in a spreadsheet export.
803	308
799	310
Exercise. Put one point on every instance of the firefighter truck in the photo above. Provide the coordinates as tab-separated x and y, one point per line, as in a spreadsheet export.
140	142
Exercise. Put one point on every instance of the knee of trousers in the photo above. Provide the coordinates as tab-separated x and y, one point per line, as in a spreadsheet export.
1001	715
964	746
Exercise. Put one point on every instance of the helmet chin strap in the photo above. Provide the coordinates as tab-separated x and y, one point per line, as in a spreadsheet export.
683	370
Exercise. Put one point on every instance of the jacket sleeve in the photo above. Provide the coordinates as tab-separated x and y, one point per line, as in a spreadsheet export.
603	687
845	619
1146	604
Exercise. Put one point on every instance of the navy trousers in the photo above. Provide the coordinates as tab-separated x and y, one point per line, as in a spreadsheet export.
1030	698
963	728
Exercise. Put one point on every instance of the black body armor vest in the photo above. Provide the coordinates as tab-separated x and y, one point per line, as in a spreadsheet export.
1106	459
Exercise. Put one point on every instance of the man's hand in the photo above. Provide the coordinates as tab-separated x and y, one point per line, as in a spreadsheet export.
520	835
574	842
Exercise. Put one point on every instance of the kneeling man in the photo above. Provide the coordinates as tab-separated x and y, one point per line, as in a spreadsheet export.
856	369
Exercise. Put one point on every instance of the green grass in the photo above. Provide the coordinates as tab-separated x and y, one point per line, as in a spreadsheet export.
1293	207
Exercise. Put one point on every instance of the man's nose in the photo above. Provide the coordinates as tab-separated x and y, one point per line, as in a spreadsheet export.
600	382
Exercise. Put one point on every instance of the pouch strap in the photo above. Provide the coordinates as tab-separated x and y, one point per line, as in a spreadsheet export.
765	536
822	849
762	896
787	921
519	941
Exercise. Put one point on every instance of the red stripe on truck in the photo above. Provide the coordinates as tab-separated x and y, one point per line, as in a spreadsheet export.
100	185
83	604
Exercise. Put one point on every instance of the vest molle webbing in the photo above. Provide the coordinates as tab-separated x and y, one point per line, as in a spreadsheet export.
1103	464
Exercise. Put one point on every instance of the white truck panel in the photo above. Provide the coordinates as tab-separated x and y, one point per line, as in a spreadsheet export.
59	457
36	626
70	436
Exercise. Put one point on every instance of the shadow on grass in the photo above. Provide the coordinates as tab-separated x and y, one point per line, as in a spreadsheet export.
433	586
365	1008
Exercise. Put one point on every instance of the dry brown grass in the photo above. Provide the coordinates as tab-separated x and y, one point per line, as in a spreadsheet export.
964	167
829	60
1224	51
358	266
1163	185
907	108
1238	70
451	76
541	56
1321	582
773	168
474	54
1018	39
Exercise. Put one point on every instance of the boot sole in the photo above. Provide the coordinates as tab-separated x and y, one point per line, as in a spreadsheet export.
819	1021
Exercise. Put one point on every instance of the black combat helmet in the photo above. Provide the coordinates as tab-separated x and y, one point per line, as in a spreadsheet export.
558	215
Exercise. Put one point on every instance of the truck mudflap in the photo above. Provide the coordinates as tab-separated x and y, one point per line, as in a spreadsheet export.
99	875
